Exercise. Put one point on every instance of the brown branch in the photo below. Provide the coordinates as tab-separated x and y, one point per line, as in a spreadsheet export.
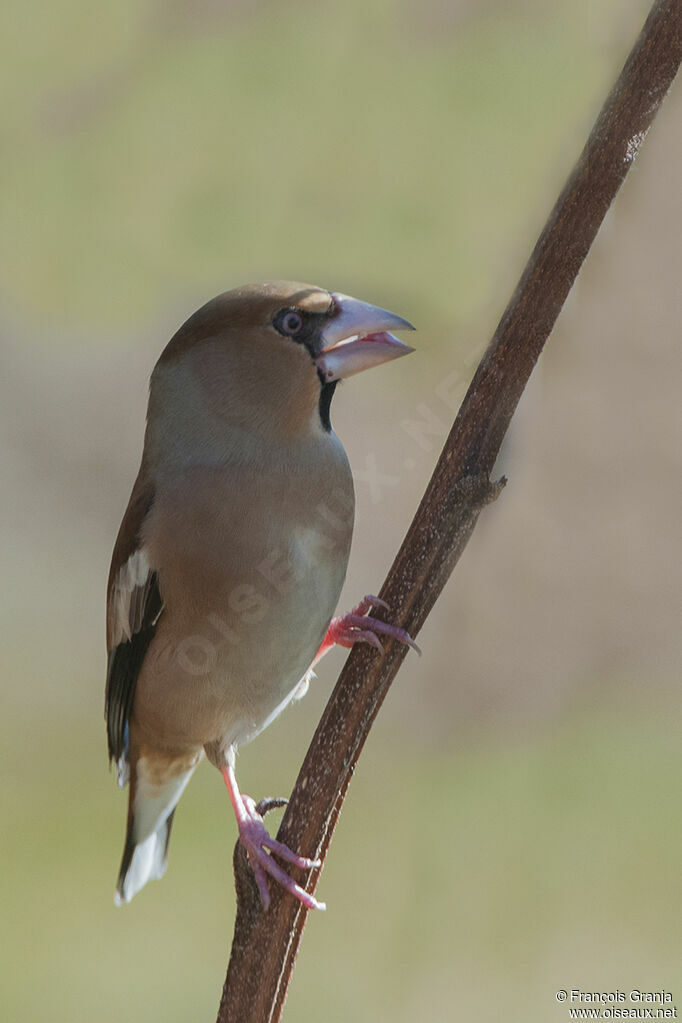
265	944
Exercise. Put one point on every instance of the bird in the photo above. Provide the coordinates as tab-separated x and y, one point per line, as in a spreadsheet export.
231	555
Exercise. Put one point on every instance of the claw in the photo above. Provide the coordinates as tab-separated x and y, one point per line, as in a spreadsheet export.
367	603
366	636
261	848
266	841
358	627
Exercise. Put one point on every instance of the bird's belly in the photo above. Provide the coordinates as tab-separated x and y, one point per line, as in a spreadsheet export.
236	638
261	662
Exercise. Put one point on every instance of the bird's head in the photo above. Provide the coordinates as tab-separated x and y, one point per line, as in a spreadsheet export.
278	350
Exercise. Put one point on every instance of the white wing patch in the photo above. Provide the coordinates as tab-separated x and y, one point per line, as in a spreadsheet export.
128	595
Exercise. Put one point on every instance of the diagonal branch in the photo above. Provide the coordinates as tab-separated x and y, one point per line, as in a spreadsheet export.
265	944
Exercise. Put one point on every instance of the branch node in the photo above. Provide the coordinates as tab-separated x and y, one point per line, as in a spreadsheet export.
477	490
496	489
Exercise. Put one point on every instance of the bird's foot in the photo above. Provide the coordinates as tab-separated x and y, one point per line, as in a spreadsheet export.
357	626
259	848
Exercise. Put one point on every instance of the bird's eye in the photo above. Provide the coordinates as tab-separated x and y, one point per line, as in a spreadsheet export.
289	322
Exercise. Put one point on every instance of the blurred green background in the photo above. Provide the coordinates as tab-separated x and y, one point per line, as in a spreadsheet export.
514	826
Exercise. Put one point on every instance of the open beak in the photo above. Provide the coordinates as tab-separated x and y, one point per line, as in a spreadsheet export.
357	338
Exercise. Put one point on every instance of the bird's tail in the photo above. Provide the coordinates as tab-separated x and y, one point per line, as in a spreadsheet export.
154	794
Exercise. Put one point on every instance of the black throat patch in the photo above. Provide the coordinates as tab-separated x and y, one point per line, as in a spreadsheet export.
326	394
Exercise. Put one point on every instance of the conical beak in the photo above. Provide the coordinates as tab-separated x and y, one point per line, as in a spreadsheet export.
357	338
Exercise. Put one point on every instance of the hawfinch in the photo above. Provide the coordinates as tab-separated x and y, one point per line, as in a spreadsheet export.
232	552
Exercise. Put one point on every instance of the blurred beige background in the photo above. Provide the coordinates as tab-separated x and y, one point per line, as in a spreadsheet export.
514	824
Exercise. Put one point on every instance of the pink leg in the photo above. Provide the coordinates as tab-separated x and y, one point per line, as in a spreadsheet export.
259	845
357	626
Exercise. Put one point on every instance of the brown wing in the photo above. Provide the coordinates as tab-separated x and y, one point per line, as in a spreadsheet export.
134	605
